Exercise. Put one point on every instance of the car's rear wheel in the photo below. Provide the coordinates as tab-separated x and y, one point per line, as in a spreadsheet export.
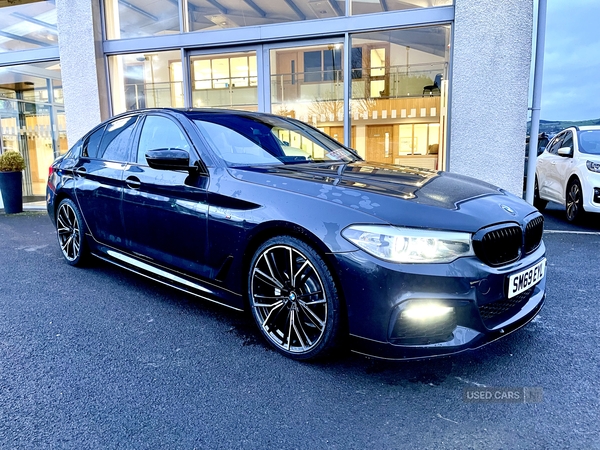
71	233
537	201
294	299
574	201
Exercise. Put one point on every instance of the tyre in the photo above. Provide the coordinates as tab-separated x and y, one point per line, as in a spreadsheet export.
293	299
70	229
537	201
574	201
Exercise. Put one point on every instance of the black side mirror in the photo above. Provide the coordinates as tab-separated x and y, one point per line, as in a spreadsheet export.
168	159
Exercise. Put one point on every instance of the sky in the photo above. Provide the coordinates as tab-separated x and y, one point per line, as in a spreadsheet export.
571	76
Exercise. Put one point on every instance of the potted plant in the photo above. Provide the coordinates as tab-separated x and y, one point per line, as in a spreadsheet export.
12	165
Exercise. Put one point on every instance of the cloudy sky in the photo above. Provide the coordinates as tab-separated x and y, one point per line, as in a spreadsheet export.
571	81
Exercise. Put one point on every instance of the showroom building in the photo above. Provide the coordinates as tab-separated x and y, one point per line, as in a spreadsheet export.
438	84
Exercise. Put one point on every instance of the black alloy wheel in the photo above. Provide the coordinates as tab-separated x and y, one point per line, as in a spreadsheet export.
537	201
574	201
71	232
294	299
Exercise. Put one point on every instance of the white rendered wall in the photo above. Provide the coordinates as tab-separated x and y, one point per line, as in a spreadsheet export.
489	91
82	66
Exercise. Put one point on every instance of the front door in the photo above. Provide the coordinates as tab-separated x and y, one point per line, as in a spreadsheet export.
165	211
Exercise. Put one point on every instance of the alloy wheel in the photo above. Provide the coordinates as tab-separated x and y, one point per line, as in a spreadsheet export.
574	201
288	299
69	232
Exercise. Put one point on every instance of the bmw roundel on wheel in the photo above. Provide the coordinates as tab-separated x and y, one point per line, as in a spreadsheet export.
267	214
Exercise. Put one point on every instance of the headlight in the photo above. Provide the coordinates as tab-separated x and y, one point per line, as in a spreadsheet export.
409	245
593	166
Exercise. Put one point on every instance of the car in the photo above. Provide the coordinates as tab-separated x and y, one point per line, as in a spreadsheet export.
541	145
568	172
325	252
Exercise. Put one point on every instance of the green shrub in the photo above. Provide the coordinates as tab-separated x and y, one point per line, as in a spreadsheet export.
11	161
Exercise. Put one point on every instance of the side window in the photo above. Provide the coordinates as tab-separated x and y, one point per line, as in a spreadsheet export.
555	144
116	139
568	140
91	144
160	132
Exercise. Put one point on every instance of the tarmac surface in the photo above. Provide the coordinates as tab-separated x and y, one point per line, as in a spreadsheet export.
102	358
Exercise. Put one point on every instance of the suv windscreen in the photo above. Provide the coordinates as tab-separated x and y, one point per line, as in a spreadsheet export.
589	142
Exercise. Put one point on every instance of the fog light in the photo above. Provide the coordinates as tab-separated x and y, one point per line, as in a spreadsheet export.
426	311
596	195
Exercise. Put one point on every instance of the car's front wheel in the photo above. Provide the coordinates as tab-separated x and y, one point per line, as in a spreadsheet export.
294	299
574	201
71	232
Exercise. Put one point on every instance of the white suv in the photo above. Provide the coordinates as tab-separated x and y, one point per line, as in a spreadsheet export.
568	172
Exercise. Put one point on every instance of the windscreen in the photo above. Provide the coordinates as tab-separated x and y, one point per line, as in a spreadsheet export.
589	142
252	140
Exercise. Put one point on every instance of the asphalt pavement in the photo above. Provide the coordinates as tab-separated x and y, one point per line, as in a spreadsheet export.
102	358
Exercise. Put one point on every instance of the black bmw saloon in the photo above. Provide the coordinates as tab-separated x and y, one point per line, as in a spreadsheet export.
267	214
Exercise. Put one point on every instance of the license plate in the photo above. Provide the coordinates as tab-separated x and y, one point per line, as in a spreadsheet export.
520	282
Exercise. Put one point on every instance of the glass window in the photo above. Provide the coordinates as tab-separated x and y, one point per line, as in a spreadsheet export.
146	80
220	14
160	132
589	142
116	139
137	18
225	80
30	118
555	144
378	6
399	93
568	141
307	83
92	143
27	25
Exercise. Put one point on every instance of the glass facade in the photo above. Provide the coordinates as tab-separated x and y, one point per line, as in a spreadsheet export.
378	6
26	25
146	80
32	119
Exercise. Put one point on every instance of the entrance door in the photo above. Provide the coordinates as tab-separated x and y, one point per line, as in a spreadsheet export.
380	143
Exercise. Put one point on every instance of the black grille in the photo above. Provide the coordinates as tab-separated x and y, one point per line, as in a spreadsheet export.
533	234
500	245
420	332
498	311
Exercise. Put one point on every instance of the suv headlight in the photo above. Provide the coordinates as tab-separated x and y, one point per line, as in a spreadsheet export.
409	245
593	166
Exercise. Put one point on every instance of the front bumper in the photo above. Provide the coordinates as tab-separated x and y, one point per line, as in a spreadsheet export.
481	311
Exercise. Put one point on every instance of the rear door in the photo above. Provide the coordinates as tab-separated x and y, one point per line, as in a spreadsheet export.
165	211
546	169
99	179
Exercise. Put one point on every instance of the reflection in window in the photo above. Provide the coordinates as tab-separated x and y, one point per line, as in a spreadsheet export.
146	80
370	6
205	15
160	132
27	25
137	18
115	141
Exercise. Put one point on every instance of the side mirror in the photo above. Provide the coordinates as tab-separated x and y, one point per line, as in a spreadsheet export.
168	159
565	151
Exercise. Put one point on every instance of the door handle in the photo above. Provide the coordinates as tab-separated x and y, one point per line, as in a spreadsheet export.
133	182
81	171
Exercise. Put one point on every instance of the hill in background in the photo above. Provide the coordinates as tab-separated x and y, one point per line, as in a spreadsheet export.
554	126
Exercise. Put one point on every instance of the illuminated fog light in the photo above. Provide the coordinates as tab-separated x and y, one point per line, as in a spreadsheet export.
426	311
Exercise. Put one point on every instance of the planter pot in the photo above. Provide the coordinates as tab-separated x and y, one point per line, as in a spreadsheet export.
12	191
